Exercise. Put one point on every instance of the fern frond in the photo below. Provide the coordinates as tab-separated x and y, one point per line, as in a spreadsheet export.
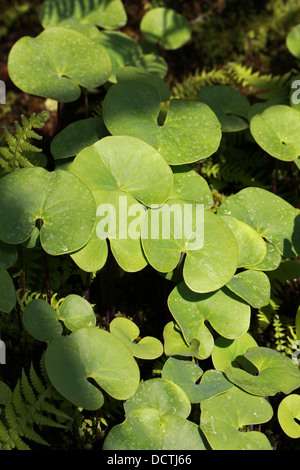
18	145
34	403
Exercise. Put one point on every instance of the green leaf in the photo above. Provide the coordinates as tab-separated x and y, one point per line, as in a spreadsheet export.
276	130
76	313
293	41
32	194
108	14
7	291
91	353
166	27
271	216
190	131
127	164
127	331
251	246
175	344
190	187
226	313
210	247
42	321
288	412
222	417
161	394
77	136
137	74
252	286
230	107
8	255
228	352
276	373
57	63
185	373
147	429
270	262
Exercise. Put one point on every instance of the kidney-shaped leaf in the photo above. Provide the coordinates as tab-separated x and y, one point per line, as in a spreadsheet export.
191	130
271	216
276	373
276	130
288	412
186	373
91	353
147	429
57	63
166	27
223	415
127	331
227	314
63	203
108	14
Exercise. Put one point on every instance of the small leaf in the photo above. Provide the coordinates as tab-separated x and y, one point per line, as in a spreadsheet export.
127	331
76	312
228	352
166	27
42	321
276	130
288	412
175	344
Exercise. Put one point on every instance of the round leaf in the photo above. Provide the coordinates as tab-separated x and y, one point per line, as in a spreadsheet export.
293	41
190	132
190	187
30	194
288	412
57	63
91	353
42	321
76	313
276	130
166	27
222	416
128	332
175	344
